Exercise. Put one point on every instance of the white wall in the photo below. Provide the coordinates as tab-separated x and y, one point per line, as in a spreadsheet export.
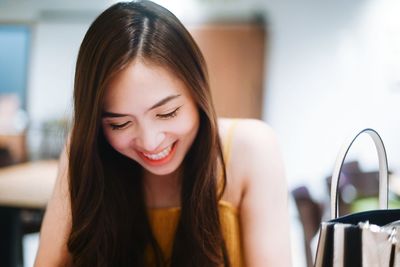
333	69
54	52
31	11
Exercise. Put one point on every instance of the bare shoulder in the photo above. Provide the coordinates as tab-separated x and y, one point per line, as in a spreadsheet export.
251	131
247	129
253	144
250	137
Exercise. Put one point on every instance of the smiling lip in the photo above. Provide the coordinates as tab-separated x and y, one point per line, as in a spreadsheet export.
157	162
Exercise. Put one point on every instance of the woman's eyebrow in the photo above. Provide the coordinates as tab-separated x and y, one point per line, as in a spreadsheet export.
107	114
163	101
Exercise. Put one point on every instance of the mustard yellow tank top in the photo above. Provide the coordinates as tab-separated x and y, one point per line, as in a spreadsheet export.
165	220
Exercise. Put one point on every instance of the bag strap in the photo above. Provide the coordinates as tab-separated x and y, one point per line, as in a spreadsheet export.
383	171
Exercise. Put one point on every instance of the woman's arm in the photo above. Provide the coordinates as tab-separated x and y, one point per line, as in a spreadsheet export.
57	222
264	206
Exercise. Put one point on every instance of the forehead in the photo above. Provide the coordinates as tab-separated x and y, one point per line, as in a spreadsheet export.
140	85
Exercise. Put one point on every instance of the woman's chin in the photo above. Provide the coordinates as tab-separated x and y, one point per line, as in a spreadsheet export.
161	171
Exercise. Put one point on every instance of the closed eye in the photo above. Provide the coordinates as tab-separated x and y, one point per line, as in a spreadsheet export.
170	114
119	126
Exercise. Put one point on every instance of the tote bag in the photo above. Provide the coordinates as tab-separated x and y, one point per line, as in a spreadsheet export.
366	239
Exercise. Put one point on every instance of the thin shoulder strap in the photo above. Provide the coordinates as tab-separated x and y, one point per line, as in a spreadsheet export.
228	141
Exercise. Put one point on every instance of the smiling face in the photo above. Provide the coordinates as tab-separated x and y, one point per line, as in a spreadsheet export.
150	117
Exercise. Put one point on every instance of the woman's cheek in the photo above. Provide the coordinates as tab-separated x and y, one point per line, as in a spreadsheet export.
117	140
188	124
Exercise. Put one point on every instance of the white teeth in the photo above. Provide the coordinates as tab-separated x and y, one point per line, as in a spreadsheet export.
160	155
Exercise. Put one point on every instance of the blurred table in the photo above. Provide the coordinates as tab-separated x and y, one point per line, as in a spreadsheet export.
27	185
22	186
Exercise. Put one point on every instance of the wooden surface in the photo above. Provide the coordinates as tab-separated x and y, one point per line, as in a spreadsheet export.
235	55
27	185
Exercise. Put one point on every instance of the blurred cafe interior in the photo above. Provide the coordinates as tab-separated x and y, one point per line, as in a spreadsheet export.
316	71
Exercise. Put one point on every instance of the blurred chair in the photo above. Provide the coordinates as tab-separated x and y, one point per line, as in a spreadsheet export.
355	185
5	157
310	213
12	148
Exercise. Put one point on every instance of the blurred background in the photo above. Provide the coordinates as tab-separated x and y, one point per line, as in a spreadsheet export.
316	71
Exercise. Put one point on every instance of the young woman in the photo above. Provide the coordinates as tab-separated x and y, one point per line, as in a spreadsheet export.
150	176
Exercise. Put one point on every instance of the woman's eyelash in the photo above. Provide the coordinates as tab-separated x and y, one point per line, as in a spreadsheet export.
169	115
118	126
161	116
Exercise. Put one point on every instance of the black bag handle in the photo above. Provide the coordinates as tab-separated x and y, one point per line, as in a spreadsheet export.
383	171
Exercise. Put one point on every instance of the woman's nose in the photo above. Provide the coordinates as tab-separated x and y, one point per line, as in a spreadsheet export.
150	139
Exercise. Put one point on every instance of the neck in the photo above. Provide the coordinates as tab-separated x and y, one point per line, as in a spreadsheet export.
162	190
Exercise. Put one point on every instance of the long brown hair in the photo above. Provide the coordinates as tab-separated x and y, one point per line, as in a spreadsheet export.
110	226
